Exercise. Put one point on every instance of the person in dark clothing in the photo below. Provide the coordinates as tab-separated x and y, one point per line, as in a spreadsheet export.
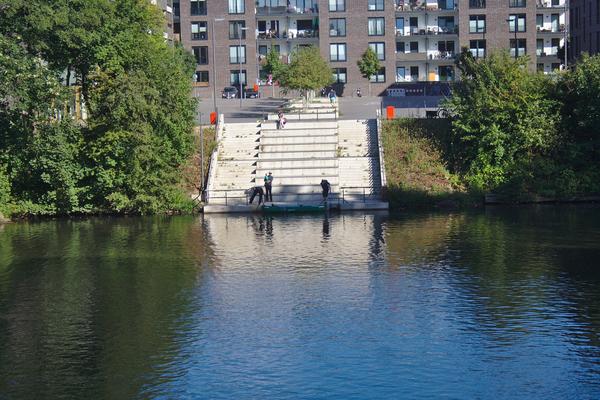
253	192
326	186
268	187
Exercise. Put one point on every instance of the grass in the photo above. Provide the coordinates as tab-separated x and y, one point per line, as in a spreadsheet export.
417	154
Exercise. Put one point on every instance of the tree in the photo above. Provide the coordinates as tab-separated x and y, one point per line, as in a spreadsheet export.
502	118
308	71
274	67
369	65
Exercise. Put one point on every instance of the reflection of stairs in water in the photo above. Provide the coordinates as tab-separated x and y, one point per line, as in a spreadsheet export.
299	156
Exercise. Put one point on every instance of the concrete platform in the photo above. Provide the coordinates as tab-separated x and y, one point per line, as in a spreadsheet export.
345	206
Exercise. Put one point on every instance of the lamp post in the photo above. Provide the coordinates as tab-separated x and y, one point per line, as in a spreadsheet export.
513	18
214	62
239	55
566	33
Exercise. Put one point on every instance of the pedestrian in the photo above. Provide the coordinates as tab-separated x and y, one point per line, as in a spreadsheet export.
268	187
332	96
326	186
323	92
254	191
281	120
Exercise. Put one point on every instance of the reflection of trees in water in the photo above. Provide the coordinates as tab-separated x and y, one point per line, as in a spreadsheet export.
92	307
517	265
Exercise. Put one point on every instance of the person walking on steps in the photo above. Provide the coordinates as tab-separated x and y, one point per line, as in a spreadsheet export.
332	96
326	186
268	186
253	192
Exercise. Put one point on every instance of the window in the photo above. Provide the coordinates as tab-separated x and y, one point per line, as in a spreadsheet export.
477	48
400	74
555	67
518	21
237	54
554	25
446	46
554	46
414	47
476	3
339	75
199	31
234	77
539	47
446	73
379	49
540	67
236	7
539	21
379	77
262	50
337	52
375	5
476	23
197	7
400	26
337	27
235	27
414	73
201	77
520	49
400	47
337	5
446	24
517	3
201	54
376	27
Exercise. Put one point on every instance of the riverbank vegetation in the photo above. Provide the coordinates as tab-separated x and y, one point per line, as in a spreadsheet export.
512	132
124	150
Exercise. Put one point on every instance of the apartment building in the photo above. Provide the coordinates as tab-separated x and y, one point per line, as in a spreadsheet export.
416	40
584	27
167	8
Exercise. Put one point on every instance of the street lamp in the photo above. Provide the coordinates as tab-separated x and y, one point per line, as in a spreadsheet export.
214	62
513	18
239	55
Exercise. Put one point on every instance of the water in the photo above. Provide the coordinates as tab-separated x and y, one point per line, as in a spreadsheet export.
503	303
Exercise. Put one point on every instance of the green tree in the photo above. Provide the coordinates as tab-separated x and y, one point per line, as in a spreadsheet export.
502	118
369	65
307	72
273	64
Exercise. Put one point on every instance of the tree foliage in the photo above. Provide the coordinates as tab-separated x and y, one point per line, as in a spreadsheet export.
307	71
273	64
369	64
127	156
503	117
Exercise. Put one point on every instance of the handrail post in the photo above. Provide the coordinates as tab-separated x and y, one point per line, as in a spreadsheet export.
225	198
364	199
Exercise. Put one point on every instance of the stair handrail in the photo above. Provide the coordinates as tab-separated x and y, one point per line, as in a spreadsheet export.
381	151
212	166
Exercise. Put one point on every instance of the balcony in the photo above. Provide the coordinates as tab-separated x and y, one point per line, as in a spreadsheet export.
546	4
433	31
422	6
443	56
560	30
286	10
289	35
415	56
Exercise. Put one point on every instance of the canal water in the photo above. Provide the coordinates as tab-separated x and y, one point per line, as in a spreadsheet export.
493	304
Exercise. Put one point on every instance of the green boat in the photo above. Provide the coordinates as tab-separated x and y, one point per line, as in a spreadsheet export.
293	208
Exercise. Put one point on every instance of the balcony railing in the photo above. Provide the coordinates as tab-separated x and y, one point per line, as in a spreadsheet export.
560	29
413	31
418	6
283	10
443	55
288	35
548	4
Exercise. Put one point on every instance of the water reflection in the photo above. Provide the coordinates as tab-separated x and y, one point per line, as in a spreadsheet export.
464	305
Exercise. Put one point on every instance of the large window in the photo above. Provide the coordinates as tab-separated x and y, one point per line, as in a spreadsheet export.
517	3
379	77
235	27
446	47
400	74
197	7
476	23
337	5
200	54
400	47
337	27
539	21
518	48
414	47
375	5
337	52
234	77
376	27
414	73
446	24
477	48
237	54
476	3
340	75
379	49
516	22
199	31
236	7
446	73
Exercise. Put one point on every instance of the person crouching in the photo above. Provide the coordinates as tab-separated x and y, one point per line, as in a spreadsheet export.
253	192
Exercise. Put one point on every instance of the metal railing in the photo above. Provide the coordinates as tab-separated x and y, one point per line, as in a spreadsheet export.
245	199
212	166
381	151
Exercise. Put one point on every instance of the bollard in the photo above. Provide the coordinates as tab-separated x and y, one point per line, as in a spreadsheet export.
213	118
389	111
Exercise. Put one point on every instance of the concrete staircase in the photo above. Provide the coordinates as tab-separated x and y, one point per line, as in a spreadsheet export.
307	150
